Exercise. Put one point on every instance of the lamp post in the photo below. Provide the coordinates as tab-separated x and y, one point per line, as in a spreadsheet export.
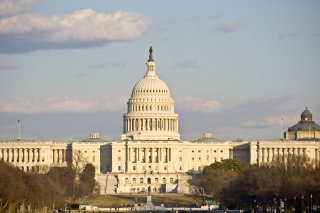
302	203
311	209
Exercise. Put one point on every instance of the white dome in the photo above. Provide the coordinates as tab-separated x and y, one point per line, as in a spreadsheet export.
147	86
150	114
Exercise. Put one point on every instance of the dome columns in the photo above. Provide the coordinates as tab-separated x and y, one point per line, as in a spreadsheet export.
150	124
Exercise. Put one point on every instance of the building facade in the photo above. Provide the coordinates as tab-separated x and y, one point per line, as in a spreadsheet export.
151	157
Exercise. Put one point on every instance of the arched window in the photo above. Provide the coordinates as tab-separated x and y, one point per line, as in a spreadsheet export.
149	180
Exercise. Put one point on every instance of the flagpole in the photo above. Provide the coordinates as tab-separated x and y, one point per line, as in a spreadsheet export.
281	131
19	130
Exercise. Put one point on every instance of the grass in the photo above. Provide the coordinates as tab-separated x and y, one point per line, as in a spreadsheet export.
131	199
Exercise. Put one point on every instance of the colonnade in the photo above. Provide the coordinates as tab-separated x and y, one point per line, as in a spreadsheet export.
149	155
150	124
15	155
27	155
268	154
58	155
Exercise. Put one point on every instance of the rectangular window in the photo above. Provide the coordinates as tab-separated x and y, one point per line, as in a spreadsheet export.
119	158
171	180
119	168
180	158
134	168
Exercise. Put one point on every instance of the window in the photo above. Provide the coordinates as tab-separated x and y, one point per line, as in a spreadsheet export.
221	150
192	159
157	180
141	180
192	151
119	150
199	151
165	168
134	168
149	180
119	158
126	180
199	158
134	181
171	180
164	180
180	158
93	158
119	168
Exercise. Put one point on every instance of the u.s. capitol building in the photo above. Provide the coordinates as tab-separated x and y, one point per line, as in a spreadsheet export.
151	157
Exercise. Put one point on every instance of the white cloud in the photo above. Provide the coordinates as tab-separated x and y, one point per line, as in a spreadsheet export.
81	29
229	27
13	7
83	25
62	104
198	104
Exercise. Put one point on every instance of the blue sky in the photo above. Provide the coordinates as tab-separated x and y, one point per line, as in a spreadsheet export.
234	68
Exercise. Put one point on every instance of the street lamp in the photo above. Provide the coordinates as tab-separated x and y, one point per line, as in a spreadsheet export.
311	209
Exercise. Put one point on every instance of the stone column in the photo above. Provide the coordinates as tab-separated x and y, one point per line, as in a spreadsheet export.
10	155
32	155
129	159
260	155
21	158
15	155
28	155
5	155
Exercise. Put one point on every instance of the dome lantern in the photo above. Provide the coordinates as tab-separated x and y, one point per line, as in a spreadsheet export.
306	115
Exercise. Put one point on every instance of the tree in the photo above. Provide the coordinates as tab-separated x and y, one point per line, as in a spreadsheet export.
35	190
288	178
215	177
12	186
87	181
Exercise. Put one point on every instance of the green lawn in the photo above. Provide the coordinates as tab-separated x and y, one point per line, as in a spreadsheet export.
157	199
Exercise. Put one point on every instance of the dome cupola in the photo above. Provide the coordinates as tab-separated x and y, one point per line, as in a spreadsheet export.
306	115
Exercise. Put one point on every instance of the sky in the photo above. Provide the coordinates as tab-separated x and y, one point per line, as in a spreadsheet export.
234	68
